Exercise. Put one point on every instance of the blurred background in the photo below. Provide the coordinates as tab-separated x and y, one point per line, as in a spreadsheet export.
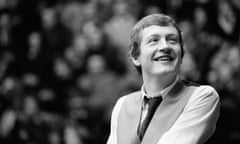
63	64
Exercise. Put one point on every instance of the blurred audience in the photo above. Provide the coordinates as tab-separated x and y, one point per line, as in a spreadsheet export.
63	64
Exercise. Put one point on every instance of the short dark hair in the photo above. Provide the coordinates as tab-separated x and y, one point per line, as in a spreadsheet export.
153	19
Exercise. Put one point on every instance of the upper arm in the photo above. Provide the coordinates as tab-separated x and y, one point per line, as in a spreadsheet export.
198	119
113	130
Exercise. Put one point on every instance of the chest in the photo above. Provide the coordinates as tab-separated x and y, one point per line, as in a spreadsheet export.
164	118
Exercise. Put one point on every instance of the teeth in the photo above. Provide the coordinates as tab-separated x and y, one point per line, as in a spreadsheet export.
163	58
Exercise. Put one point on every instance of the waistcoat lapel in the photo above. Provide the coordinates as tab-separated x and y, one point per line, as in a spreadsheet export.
168	112
128	120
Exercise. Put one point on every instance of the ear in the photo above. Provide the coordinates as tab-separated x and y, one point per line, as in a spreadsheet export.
135	61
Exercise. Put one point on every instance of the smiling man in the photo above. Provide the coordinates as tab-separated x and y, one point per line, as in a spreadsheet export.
167	109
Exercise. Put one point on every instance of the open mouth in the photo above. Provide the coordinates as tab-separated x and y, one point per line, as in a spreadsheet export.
163	58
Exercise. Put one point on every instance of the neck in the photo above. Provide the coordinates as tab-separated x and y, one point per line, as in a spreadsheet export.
154	85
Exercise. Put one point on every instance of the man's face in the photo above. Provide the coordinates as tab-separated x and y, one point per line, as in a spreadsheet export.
160	51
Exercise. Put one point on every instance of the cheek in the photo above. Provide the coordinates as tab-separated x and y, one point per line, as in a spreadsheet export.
179	50
145	55
179	53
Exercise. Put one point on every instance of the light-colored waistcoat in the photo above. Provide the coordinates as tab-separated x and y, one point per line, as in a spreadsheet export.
166	114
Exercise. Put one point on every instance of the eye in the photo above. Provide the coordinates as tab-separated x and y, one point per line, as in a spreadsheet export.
153	40
173	40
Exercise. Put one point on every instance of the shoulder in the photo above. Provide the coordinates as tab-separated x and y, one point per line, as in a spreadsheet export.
130	96
201	92
201	89
204	96
206	91
130	102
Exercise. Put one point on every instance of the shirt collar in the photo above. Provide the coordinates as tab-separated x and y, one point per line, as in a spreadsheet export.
163	92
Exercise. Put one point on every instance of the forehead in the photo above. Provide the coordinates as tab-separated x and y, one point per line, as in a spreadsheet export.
154	30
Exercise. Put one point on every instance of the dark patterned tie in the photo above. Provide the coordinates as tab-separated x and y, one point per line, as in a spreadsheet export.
152	106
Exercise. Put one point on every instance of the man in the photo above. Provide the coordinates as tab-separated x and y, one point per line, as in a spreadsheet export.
186	113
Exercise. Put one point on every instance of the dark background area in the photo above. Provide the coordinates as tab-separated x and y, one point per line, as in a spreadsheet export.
63	64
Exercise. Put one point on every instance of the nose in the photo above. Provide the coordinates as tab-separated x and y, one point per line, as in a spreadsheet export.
163	46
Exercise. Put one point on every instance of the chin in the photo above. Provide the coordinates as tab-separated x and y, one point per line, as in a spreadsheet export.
162	72
165	71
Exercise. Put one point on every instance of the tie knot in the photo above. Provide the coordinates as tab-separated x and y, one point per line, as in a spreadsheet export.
152	102
157	99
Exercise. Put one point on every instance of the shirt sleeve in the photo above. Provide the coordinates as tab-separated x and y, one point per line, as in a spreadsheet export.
198	120
112	139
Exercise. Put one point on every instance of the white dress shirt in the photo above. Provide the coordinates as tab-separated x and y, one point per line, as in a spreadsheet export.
194	126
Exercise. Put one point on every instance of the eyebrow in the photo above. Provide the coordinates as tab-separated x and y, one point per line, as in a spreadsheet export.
173	35
158	35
